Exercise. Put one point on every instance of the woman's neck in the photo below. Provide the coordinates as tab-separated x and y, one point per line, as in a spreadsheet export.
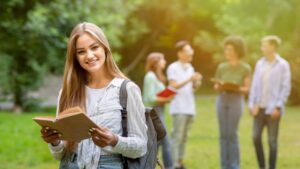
99	79
234	62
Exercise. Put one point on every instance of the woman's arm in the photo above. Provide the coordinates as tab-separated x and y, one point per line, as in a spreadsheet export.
150	91
246	87
135	145
57	150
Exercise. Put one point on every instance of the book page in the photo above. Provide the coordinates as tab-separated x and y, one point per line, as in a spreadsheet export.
45	121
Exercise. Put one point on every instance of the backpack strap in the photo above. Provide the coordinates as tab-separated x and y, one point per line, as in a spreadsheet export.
123	102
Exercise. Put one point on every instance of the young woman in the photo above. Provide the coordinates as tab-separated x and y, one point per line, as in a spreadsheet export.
92	81
230	102
154	82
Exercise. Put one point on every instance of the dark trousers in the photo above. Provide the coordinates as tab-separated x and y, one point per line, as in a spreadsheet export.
260	121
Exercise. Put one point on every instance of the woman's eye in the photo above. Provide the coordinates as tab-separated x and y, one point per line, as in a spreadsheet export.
80	52
95	47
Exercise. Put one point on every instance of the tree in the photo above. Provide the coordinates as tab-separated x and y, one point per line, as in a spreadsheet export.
164	23
34	36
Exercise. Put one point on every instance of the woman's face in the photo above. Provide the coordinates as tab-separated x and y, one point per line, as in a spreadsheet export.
162	63
230	52
90	54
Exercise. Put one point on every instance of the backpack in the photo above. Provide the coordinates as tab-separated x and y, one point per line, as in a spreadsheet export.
156	132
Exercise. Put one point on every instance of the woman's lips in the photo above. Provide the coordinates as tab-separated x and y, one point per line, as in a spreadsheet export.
92	62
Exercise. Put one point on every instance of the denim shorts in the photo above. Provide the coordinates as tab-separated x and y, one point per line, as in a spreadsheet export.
106	162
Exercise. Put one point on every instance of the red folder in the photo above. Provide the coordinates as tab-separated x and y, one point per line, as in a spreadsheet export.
167	92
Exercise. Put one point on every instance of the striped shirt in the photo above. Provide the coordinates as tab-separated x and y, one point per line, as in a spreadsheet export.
104	108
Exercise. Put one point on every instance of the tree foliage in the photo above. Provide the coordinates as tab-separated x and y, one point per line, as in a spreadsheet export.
34	34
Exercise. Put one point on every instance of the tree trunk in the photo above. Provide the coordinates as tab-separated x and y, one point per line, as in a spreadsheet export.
141	54
18	100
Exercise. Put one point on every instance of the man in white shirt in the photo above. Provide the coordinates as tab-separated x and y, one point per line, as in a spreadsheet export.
181	76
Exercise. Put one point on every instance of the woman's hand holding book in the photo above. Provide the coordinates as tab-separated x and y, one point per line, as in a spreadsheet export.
50	136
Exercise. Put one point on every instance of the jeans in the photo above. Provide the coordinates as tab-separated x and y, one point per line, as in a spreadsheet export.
110	162
165	143
69	161
229	110
260	121
106	162
181	126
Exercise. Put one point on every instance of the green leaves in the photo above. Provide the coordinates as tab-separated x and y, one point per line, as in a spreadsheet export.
36	33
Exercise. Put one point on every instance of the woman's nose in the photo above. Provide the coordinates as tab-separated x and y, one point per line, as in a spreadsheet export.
90	54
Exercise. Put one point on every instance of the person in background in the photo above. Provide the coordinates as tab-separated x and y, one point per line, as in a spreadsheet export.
270	89
181	76
154	82
230	102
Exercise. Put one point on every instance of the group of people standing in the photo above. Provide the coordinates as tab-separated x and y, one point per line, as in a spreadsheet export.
181	76
268	89
92	81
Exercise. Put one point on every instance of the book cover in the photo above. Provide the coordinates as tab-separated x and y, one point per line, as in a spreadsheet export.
227	86
167	92
72	123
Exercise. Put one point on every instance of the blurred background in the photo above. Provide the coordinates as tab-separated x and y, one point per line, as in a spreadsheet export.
33	38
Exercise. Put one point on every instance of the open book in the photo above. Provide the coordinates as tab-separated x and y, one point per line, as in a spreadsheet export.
72	123
167	92
227	86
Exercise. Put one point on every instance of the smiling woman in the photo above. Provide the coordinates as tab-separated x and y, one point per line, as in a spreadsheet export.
92	81
90	54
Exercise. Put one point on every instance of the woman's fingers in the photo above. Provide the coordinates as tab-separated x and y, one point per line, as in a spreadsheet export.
50	135
52	138
103	133
49	132
98	141
44	130
101	136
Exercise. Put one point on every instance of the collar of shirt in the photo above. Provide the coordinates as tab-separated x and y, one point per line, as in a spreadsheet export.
277	59
115	82
185	66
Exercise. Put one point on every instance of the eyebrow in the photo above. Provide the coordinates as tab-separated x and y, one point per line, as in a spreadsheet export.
89	46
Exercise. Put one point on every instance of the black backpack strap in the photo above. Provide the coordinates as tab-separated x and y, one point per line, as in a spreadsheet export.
123	102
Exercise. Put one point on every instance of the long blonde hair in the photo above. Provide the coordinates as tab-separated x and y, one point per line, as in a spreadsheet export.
152	64
75	77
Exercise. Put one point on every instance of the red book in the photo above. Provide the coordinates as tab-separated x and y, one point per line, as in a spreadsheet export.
167	92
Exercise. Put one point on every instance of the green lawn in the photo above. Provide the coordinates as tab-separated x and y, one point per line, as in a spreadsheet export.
22	148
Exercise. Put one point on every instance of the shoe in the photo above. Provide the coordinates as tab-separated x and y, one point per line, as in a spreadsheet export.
181	167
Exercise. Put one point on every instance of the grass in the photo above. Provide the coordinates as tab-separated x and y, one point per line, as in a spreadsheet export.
22	148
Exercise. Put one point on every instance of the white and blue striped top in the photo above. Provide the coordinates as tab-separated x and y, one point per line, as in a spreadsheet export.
103	107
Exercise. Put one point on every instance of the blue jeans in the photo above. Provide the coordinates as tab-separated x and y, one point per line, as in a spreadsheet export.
69	161
111	162
165	143
106	162
229	111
